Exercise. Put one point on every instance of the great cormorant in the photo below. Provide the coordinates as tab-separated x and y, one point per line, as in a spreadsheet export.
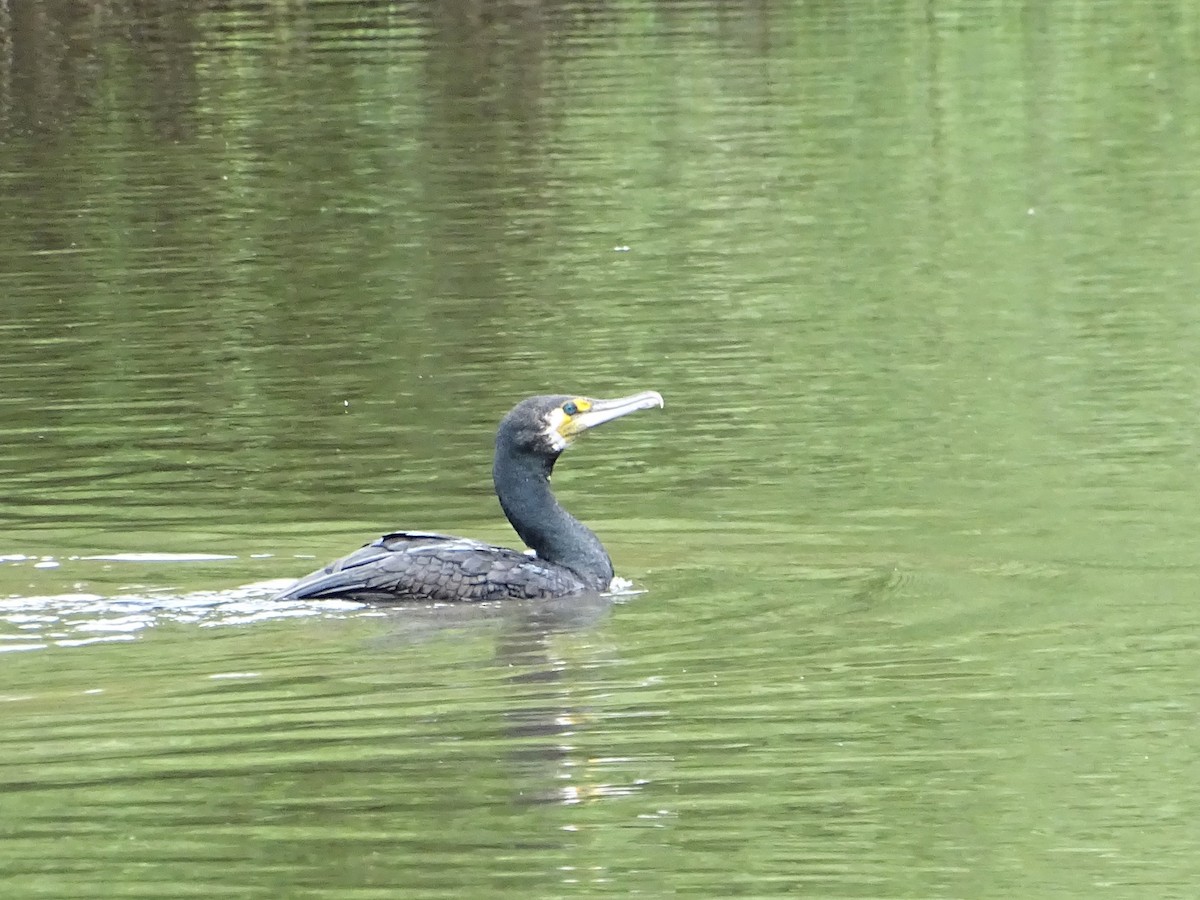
413	565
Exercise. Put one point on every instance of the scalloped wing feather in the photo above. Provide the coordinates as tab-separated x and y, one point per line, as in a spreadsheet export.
423	566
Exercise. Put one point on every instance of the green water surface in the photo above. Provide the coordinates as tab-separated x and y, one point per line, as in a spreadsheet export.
912	545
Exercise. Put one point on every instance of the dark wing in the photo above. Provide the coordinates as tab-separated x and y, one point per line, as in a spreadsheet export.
411	565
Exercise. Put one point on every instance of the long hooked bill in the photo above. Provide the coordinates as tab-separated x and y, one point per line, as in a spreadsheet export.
602	411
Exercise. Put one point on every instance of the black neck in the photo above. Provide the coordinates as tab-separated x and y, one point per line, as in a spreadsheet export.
522	482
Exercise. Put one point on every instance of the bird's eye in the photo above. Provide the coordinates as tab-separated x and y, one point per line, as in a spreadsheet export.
570	408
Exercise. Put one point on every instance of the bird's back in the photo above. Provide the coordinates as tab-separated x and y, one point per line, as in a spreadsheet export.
420	566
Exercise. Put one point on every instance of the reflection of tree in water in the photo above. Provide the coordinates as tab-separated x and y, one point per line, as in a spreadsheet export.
56	59
6	63
487	131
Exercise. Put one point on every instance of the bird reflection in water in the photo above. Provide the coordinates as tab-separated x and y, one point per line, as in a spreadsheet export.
545	712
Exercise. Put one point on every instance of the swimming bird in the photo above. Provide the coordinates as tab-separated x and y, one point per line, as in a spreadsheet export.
568	558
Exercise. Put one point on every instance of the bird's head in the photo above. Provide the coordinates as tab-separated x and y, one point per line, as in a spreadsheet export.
547	425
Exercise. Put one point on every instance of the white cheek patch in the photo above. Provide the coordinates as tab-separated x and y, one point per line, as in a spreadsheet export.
553	435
